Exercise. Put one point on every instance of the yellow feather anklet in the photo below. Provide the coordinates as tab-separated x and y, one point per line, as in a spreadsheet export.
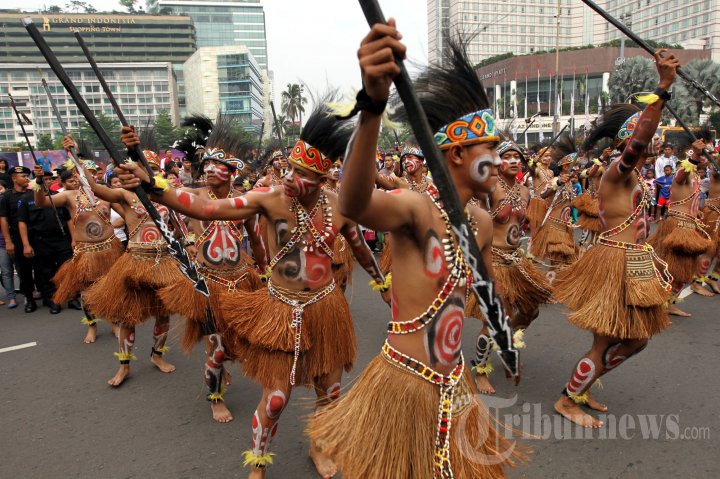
578	398
257	460
518	339
486	370
125	356
89	322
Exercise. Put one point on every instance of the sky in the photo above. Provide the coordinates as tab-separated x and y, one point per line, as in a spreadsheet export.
313	42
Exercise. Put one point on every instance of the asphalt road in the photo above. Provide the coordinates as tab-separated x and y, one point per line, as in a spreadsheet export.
60	419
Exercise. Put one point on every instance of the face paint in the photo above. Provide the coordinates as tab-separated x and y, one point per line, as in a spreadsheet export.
220	171
334	173
509	160
299	186
481	168
412	163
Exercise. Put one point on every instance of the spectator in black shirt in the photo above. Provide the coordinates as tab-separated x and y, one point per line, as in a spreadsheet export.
4	175
45	243
9	205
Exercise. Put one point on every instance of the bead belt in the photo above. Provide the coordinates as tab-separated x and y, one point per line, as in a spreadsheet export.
87	247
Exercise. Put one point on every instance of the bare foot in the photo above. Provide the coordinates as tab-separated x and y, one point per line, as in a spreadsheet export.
161	364
567	408
220	412
115	330
324	465
257	473
595	405
714	286
120	376
675	311
91	334
697	288
482	383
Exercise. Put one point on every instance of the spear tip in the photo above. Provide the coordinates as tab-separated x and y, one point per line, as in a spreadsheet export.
27	21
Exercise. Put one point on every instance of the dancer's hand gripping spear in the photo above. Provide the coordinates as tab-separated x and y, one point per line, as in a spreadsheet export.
483	287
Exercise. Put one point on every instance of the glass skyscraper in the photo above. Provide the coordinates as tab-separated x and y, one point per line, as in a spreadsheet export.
225	23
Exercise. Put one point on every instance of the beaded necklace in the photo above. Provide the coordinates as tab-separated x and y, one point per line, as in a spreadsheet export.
85	205
210	227
419	187
305	224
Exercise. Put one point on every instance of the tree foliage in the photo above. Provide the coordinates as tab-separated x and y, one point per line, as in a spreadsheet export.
688	102
636	74
165	131
293	101
44	142
111	127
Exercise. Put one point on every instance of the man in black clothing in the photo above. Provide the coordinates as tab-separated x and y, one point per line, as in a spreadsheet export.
45	243
9	205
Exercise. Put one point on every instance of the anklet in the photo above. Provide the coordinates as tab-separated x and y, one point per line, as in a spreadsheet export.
257	460
159	352
125	357
87	321
576	398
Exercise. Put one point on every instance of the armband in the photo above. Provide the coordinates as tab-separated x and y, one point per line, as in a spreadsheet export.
597	162
363	102
384	286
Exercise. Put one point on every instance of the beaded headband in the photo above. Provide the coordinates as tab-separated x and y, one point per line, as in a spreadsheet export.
411	150
219	155
151	157
310	157
508	145
477	127
626	130
568	159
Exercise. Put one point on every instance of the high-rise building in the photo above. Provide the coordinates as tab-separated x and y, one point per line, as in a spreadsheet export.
226	79
136	53
530	26
224	23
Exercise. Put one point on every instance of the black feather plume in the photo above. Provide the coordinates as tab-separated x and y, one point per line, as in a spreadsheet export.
608	125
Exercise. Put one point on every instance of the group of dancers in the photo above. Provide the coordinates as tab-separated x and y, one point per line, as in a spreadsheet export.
280	312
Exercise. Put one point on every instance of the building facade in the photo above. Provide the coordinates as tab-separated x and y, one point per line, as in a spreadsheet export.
531	26
226	79
142	90
225	22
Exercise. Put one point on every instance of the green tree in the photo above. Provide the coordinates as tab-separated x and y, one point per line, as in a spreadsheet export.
111	127
714	120
54	9
90	9
636	74
129	4
165	131
293	102
44	142
76	5
689	103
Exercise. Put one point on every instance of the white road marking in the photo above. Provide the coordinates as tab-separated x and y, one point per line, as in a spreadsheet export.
19	346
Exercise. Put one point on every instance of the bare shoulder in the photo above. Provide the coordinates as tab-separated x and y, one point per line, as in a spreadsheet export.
482	218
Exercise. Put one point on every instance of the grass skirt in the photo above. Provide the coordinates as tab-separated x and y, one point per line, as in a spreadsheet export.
614	292
260	333
128	293
588	212
522	285
555	242
184	300
343	261
385	427
680	242
84	269
537	208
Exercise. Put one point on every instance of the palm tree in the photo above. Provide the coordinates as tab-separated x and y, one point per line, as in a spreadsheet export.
293	102
689	102
635	75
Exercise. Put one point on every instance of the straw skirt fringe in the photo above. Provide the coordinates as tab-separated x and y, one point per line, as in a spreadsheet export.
385	427
680	243
83	270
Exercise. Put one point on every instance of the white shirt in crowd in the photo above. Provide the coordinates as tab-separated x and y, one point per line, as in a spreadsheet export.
663	161
119	232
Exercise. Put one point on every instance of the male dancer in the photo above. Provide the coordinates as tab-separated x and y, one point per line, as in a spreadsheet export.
522	286
299	329
681	239
554	237
217	249
95	247
400	417
414	179
542	177
615	290
277	172
135	278
343	261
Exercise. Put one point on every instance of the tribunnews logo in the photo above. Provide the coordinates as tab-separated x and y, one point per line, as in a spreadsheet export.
535	423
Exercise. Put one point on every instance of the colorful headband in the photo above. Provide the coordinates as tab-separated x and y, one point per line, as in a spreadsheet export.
627	129
508	145
477	127
152	157
89	165
411	150
568	159
219	155
310	157
278	154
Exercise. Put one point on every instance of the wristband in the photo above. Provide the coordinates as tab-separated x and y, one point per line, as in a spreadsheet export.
663	94
597	162
364	103
384	286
